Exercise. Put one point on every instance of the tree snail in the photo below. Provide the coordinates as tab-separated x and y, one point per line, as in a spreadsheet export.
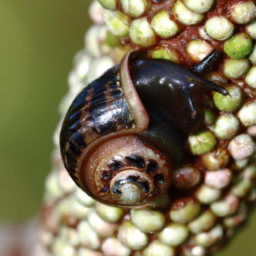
125	132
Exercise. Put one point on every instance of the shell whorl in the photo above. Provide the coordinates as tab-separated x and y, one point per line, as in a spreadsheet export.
102	117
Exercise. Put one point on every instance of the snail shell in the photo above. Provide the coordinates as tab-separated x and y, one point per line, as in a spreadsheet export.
122	136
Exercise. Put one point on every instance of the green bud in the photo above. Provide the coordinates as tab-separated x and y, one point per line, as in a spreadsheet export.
53	187
184	210
112	40
238	218
88	237
247	114
112	246
141	33
241	188
156	248
184	15
204	222
226	126
71	207
161	52
219	28
226	206
238	46
199	6
109	213
174	234
249	172
69	235
207	195
147	221
236	68
163	26
198	49
201	142
216	159
250	78
251	29
198	251
83	198
117	23
211	237
252	56
131	237
243	12
108	4
209	117
135	8
239	164
61	247
103	228
229	102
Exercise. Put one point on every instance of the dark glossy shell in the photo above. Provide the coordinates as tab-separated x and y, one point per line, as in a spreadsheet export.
99	111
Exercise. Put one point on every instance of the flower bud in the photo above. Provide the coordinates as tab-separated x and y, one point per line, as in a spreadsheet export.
184	15
209	238
252	56
199	6
247	114
109	213
226	126
236	68
241	147
216	159
147	221
174	234
229	102
161	52
156	248
117	23
226	206
131	237
103	228
218	179
88	237
204	222
201	142
251	29
250	78
141	33
108	4
163	26
243	12
61	247
238	46
198	49
135	8
219	28
184	210
207	195
112	246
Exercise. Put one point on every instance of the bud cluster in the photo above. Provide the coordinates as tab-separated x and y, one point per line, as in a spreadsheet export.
215	192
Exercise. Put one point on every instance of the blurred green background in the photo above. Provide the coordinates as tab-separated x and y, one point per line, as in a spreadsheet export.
38	40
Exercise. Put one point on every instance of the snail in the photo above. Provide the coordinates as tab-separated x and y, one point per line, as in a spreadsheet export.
125	132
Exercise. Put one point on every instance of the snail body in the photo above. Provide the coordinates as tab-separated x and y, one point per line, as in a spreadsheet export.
124	133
